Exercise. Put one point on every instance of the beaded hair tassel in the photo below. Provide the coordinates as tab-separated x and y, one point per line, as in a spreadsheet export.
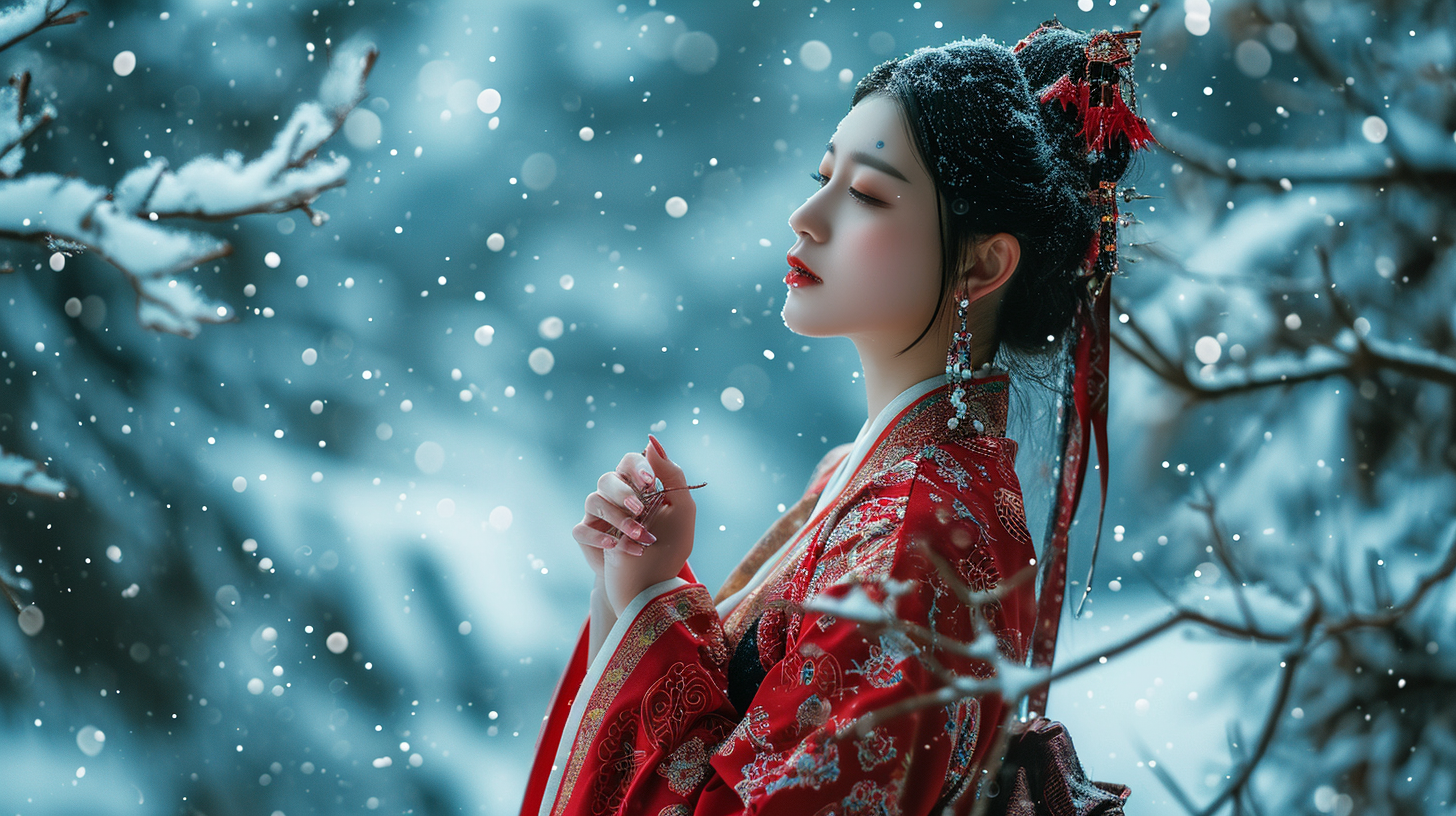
1102	91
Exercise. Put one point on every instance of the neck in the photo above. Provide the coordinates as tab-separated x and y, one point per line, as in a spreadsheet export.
886	375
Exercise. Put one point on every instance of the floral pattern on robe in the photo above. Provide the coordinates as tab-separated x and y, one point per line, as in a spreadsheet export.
657	733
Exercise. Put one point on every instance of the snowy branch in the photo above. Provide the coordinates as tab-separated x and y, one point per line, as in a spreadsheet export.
22	20
20	473
121	226
15	126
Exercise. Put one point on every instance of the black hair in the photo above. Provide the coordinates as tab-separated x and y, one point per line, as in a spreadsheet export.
1002	161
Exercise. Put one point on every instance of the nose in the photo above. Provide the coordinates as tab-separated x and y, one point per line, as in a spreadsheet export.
809	219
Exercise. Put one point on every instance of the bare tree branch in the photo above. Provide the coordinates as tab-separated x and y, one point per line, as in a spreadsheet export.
1350	356
19	22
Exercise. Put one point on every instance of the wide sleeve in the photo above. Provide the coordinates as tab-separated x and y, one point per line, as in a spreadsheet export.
659	734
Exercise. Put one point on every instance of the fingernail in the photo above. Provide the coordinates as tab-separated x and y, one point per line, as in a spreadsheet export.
608	542
647	477
645	537
658	445
635	549
634	504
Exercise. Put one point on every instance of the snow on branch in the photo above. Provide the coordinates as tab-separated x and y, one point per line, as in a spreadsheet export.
20	473
121	226
15	126
29	16
287	176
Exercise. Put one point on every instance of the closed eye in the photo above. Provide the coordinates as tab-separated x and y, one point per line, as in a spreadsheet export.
856	194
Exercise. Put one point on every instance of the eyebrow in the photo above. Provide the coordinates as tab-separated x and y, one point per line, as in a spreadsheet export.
872	161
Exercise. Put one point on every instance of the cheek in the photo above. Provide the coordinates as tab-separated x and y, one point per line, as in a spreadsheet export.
900	260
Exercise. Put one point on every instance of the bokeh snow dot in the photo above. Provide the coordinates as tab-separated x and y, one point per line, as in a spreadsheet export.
696	52
271	260
31	620
310	356
227	595
429	457
677	207
255	686
1208	350
1253	58
541	360
73	307
90	740
732	398
445	508
586	134
551	328
500	517
815	55
538	171
488	101
435	77
363	128
337	642
484	335
240	483
495	242
124	63
1374	129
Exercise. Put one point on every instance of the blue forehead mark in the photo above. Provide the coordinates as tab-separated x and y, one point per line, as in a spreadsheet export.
879	144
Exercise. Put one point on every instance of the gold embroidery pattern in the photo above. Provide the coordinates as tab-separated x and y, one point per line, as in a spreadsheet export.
677	606
1013	516
922	425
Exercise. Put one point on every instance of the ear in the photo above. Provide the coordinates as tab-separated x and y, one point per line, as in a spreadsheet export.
990	264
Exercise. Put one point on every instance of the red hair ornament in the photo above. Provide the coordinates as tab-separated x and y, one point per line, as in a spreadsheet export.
1102	92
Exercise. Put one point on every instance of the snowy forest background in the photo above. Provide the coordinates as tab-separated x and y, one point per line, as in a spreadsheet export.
292	534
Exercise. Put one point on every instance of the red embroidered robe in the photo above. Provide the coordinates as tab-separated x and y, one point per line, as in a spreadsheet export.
650	728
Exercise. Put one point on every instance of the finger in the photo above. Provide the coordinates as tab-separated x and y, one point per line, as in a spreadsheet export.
666	470
598	524
636	470
597	505
614	535
590	537
615	487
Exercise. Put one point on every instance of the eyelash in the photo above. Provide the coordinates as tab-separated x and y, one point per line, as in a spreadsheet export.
858	196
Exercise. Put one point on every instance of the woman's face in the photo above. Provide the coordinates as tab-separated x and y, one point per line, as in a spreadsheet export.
870	234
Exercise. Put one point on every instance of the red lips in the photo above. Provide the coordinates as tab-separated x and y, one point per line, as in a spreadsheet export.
800	275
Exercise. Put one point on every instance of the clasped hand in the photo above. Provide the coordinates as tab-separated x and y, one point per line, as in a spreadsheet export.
626	556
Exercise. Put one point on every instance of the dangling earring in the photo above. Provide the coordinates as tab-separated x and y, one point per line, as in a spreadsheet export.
958	366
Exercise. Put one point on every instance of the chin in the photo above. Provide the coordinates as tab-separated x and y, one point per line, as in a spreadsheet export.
805	325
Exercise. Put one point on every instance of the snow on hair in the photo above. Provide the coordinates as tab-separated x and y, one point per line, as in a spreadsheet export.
1003	162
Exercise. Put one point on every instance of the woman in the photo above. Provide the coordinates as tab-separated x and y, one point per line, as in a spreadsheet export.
954	212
